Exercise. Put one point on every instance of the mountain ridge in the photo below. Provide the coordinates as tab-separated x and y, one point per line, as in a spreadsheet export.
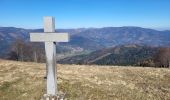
92	39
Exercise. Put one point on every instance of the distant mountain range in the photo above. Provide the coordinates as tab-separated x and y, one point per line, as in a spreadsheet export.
92	39
113	36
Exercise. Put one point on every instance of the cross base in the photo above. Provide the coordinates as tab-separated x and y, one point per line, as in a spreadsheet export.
53	97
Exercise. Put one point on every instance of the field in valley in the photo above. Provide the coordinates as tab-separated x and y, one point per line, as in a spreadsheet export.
25	81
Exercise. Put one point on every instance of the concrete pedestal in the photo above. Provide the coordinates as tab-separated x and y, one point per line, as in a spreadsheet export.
53	97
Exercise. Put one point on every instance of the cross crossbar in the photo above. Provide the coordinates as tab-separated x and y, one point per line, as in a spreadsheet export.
50	37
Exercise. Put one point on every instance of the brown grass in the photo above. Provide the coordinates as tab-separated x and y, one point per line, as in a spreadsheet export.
25	81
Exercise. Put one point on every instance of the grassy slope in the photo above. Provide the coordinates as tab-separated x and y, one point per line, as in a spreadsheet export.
24	81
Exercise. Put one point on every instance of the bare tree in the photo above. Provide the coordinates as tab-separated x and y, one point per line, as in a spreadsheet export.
163	57
26	51
17	47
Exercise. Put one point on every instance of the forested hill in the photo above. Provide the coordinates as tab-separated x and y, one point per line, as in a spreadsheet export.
119	55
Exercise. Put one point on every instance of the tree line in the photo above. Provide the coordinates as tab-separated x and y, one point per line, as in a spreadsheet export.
22	50
142	56
162	58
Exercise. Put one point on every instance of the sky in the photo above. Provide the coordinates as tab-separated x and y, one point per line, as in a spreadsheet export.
86	13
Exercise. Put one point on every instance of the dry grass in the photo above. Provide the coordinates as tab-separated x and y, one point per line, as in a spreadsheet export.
25	81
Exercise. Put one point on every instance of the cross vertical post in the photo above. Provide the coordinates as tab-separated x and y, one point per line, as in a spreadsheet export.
50	50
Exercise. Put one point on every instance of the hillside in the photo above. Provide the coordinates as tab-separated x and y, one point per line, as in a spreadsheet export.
113	36
91	39
119	55
25	81
8	35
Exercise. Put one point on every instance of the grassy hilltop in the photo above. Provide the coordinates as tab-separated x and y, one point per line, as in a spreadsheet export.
25	81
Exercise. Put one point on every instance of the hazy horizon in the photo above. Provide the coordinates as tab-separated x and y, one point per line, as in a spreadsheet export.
159	29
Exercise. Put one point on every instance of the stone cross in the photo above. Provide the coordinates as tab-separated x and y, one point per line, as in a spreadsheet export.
50	38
